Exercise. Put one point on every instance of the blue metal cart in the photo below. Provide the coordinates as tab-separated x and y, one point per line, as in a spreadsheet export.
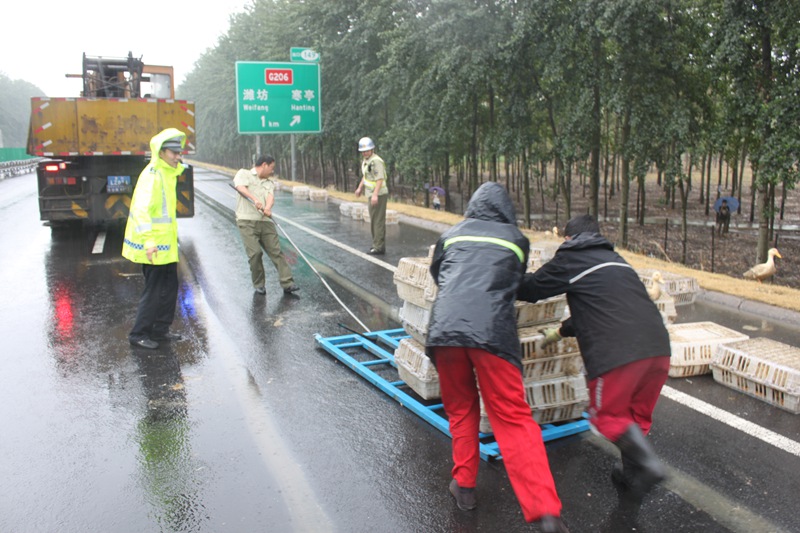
365	354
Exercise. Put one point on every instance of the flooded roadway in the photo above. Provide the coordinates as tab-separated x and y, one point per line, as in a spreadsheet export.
248	426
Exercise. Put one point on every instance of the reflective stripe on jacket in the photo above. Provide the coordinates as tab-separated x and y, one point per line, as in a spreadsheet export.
478	265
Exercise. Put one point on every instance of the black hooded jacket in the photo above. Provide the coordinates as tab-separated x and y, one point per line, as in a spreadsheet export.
612	316
478	265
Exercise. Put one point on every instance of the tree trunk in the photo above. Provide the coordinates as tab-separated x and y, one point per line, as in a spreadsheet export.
625	183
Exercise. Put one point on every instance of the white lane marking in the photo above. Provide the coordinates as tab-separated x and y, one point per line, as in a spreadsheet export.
99	243
754	430
298	496
729	513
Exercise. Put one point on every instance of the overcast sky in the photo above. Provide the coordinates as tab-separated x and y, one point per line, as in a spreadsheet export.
42	41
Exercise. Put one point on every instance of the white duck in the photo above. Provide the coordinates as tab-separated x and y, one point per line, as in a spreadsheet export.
764	270
654	290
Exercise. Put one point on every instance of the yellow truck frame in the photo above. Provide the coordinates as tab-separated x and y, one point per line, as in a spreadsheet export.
95	146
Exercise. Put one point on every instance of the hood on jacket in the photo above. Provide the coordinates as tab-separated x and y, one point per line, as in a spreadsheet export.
162	136
491	202
587	240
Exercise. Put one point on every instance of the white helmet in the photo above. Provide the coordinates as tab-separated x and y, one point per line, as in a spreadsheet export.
365	144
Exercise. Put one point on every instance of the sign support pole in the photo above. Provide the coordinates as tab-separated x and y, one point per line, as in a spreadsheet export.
294	161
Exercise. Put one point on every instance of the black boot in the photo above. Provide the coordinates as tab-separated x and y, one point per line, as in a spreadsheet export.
641	468
552	524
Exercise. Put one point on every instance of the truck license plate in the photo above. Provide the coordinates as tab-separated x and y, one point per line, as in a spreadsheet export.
119	184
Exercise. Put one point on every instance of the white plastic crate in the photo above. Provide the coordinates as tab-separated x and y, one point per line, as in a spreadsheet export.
411	355
417	335
318	195
427	389
552	367
414	282
534	264
358	211
683	288
554	400
346	208
694	344
544	250
392	216
557	391
762	368
418	317
300	192
666	306
531	343
541	312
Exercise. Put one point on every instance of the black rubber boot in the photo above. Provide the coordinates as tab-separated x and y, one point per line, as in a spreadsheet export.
552	524
641	468
619	470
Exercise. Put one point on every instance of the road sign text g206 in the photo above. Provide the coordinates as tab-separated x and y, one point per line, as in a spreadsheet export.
281	76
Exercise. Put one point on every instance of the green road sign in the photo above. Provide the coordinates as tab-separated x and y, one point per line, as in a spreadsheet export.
304	55
278	97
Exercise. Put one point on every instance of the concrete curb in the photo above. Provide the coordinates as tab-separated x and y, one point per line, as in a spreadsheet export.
785	317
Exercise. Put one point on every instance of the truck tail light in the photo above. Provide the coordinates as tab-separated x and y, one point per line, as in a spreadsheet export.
55	167
62	181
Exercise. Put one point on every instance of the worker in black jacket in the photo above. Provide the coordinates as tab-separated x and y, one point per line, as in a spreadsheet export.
622	339
478	265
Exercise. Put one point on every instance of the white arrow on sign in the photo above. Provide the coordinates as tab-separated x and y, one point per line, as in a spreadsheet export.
295	120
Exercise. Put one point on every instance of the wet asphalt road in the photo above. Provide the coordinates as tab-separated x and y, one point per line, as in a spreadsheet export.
248	426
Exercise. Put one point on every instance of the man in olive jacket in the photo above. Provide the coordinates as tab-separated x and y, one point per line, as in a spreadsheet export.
478	265
623	341
151	239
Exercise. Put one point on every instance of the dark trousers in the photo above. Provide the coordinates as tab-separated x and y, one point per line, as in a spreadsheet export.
157	304
377	216
258	235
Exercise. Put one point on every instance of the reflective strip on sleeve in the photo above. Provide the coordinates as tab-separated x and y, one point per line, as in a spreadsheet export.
491	240
597	267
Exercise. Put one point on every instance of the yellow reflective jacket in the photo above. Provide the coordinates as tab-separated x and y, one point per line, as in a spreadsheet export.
151	220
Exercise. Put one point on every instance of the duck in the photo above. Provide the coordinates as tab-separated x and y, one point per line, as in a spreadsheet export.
764	270
654	290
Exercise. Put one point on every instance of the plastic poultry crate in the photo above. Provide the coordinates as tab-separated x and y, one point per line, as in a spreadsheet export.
762	368
683	288
552	400
428	389
300	192
318	195
411	354
694	345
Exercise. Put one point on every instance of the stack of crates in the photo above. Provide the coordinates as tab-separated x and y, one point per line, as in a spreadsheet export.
357	211
541	252
553	378
694	346
346	208
683	289
416	369
555	386
392	216
300	192
318	195
762	368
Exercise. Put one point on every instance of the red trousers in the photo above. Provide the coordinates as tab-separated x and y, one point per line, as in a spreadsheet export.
627	395
518	436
